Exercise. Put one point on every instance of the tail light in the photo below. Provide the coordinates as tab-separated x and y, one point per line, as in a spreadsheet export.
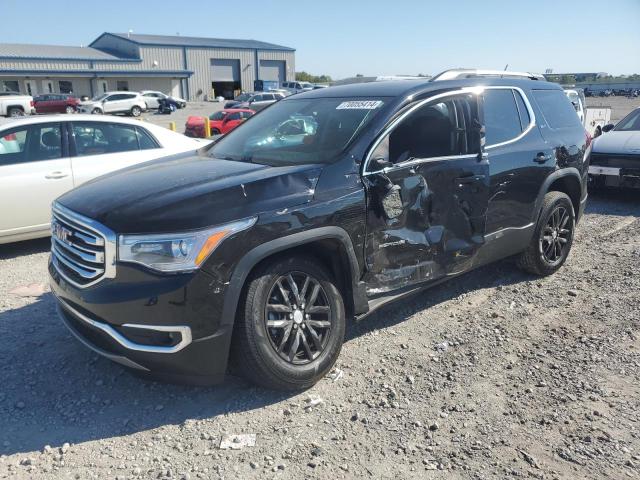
32	103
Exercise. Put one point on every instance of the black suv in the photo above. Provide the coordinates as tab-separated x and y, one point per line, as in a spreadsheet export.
320	209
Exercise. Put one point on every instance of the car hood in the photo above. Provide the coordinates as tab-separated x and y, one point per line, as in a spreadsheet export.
187	192
623	143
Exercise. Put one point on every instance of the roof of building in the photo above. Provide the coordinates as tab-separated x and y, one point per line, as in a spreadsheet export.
30	51
180	41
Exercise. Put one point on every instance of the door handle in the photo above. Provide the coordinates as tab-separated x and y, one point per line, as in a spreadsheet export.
56	175
469	179
542	158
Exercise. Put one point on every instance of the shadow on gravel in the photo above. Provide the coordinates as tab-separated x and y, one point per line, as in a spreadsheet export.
500	274
29	247
613	201
54	390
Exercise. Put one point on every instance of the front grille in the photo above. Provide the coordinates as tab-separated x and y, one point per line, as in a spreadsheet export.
80	251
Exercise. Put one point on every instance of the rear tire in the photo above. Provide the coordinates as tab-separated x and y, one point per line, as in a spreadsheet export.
215	131
135	111
96	111
69	109
15	112
552	238
288	337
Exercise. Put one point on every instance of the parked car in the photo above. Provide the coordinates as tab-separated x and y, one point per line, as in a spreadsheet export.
297	87
593	118
265	249
16	105
152	99
168	105
221	122
243	97
43	157
259	101
615	161
130	103
56	103
319	85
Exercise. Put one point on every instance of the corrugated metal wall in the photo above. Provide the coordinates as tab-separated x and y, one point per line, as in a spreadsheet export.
43	65
199	62
168	58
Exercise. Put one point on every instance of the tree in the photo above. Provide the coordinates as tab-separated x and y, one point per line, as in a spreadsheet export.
307	77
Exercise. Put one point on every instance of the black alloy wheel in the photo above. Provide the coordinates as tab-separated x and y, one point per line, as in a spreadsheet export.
298	317
556	235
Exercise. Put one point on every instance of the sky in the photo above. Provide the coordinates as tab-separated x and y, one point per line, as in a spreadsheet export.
343	38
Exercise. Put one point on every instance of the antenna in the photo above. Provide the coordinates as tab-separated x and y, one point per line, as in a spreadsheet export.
129	33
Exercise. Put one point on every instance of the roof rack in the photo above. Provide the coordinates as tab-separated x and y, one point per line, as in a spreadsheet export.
455	73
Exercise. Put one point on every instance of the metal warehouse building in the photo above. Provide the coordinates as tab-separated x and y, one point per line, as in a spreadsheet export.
190	67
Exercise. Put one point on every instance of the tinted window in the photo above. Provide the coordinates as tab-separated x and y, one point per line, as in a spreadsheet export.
32	143
257	98
217	116
145	140
556	108
501	118
96	138
234	116
525	118
246	114
435	130
65	86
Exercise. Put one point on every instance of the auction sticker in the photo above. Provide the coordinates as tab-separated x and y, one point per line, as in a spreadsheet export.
359	105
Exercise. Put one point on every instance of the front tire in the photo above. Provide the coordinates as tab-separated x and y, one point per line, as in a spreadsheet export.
69	109
290	325
96	111
553	236
15	112
215	131
135	111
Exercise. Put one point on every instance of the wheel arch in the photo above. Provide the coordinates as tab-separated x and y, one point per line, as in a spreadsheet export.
567	180
326	242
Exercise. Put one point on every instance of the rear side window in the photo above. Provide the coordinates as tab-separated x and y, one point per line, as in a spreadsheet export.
501	117
98	138
145	140
31	143
556	108
525	118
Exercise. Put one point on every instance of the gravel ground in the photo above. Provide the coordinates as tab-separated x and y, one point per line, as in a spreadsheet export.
494	374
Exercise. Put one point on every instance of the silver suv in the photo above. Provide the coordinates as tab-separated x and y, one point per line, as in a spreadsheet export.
130	103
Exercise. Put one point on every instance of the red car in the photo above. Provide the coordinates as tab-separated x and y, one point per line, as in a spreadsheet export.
55	103
221	122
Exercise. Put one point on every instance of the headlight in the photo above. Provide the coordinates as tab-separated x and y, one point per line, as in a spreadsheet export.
177	252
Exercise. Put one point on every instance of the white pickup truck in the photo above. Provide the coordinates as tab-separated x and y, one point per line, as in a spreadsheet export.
16	105
593	118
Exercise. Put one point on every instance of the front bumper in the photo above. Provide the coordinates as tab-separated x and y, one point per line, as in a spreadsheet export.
166	326
615	170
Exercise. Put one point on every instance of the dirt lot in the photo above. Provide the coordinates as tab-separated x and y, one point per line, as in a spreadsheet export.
492	375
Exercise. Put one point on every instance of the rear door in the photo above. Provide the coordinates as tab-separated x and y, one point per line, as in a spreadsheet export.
102	147
520	159
34	170
231	121
426	209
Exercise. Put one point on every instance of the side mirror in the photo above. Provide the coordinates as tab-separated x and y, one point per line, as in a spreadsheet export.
380	163
608	127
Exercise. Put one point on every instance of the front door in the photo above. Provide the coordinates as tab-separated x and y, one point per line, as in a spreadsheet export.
35	169
427	194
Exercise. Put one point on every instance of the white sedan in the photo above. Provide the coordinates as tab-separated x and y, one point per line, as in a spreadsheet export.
43	157
152	99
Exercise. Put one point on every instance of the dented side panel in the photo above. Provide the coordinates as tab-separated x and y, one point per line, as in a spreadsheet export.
424	221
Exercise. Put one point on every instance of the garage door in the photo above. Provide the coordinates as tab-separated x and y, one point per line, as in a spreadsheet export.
272	70
224	70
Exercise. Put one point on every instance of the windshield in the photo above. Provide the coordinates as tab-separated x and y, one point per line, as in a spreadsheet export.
97	98
629	123
298	131
243	97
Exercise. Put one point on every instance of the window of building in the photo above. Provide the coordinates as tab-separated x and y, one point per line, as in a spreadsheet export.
501	117
556	108
65	86
122	85
10	86
49	87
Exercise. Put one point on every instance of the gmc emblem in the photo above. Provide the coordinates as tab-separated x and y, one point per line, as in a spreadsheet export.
62	233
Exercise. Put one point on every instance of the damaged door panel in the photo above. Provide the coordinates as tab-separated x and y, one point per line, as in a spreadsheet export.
426	207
